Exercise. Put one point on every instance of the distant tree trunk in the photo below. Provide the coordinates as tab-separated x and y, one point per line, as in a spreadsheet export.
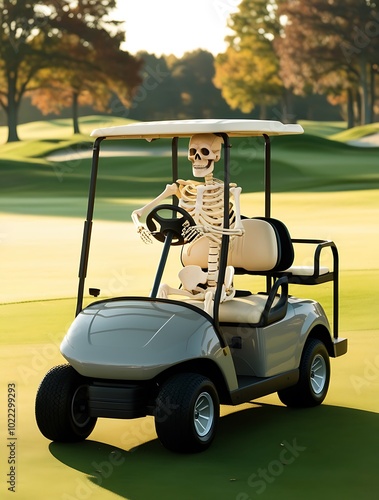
350	109
372	93
75	112
12	111
263	112
12	124
364	91
288	115
359	107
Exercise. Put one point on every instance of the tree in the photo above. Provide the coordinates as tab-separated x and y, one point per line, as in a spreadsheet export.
157	97
23	29
248	72
32	40
174	88
199	98
331	46
95	76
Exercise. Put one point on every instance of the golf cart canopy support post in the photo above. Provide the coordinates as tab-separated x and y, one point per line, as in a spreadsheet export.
267	187
267	175
88	225
168	240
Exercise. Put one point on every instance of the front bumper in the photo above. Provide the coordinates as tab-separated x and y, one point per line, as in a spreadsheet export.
119	400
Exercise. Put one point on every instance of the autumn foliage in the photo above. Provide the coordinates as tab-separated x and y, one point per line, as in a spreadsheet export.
284	47
62	53
68	53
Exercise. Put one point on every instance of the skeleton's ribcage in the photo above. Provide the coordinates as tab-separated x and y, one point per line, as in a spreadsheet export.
206	207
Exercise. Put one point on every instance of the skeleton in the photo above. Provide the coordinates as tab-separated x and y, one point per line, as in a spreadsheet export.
204	201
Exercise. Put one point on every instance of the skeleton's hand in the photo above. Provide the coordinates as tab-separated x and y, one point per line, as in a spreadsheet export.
191	233
145	234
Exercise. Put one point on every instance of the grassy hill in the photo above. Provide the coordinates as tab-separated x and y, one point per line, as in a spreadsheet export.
300	163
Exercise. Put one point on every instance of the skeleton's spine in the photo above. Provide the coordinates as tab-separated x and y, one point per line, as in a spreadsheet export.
213	261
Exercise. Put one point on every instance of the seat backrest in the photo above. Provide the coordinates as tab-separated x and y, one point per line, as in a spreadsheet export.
265	246
287	254
257	250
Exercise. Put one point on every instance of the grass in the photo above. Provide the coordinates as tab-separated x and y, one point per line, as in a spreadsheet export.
43	205
322	129
356	132
250	440
27	172
61	129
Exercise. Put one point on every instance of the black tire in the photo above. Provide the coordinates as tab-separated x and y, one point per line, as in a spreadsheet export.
312	387
62	406
186	413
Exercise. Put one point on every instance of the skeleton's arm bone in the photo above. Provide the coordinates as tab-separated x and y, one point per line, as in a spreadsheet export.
236	193
218	230
171	189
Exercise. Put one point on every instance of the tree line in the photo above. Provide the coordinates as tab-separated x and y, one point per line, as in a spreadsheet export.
282	48
283	56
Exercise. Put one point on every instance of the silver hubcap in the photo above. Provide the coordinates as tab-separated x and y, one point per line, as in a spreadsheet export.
79	407
318	374
203	414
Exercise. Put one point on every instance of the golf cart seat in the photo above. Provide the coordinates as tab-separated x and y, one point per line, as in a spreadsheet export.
257	251
266	248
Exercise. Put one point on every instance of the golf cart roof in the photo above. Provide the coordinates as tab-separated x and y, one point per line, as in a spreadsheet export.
187	128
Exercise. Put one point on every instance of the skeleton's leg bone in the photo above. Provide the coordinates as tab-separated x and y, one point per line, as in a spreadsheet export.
228	291
165	290
229	275
208	303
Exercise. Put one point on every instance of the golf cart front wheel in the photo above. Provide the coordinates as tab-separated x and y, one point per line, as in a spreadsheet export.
187	412
61	409
312	387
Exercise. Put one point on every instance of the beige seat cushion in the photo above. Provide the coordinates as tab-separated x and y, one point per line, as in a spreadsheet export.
305	270
240	309
255	250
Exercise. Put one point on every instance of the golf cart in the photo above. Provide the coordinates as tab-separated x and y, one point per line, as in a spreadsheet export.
180	352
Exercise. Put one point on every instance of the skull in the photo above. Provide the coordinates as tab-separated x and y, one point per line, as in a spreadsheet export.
204	150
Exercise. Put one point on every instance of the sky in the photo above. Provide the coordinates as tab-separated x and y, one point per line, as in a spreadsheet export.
175	26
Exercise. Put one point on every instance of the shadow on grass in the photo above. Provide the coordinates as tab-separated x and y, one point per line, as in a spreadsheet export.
267	451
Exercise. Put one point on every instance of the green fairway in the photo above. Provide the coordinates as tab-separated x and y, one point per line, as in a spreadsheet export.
322	189
306	163
338	440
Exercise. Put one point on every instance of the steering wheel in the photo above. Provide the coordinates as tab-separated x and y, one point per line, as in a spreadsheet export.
175	225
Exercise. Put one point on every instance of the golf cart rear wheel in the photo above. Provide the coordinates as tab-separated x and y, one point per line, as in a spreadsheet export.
62	406
314	379
187	412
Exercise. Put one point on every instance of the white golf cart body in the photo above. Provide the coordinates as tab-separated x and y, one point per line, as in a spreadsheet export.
127	348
